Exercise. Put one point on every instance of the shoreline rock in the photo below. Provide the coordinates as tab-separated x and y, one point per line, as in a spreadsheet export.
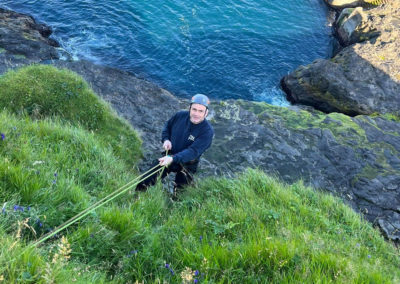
24	41
364	77
355	158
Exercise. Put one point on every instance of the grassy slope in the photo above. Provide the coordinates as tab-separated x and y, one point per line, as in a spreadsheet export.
45	91
247	230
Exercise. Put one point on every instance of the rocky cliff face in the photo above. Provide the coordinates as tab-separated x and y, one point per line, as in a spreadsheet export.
355	158
23	41
364	77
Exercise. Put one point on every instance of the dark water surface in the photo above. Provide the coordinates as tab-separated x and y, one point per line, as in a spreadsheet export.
223	48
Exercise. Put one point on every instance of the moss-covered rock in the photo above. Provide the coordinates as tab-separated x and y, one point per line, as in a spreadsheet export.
356	158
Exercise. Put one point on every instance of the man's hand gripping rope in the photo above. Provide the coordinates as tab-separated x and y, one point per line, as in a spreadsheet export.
167	159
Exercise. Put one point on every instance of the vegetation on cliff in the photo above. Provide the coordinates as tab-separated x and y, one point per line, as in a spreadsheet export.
44	91
58	155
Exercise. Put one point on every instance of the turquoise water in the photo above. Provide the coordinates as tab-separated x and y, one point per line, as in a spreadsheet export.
222	48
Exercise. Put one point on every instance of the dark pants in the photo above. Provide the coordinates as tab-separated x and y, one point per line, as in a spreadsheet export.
184	174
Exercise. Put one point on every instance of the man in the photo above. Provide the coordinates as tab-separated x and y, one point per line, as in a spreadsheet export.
185	137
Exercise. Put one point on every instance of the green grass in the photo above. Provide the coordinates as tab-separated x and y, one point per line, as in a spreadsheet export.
251	229
44	91
49	172
28	266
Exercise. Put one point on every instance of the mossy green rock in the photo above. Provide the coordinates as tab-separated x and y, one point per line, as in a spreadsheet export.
356	158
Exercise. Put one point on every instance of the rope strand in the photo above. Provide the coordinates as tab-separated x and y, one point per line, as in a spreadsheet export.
98	204
91	208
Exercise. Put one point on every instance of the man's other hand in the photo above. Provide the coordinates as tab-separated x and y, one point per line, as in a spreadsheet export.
165	161
167	145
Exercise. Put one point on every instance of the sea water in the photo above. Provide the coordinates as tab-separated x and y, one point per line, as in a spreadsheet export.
222	48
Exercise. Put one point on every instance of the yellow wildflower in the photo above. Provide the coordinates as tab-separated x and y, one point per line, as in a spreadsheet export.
187	275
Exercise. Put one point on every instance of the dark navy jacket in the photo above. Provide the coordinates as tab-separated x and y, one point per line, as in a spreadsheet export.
189	141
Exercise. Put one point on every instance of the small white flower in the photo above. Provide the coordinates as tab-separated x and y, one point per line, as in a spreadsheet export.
37	163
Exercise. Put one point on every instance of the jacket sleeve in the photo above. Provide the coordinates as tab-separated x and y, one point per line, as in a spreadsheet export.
196	149
166	132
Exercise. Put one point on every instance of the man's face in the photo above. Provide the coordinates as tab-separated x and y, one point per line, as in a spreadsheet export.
198	113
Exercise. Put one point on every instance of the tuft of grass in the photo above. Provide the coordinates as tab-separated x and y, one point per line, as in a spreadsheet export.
43	91
57	170
49	172
19	265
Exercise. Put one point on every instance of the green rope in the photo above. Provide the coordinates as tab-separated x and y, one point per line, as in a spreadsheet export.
98	204
163	168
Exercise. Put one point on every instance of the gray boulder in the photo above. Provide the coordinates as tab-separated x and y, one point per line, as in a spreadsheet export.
364	78
353	26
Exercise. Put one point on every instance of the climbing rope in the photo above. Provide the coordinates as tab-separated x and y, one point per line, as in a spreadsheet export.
98	204
94	206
